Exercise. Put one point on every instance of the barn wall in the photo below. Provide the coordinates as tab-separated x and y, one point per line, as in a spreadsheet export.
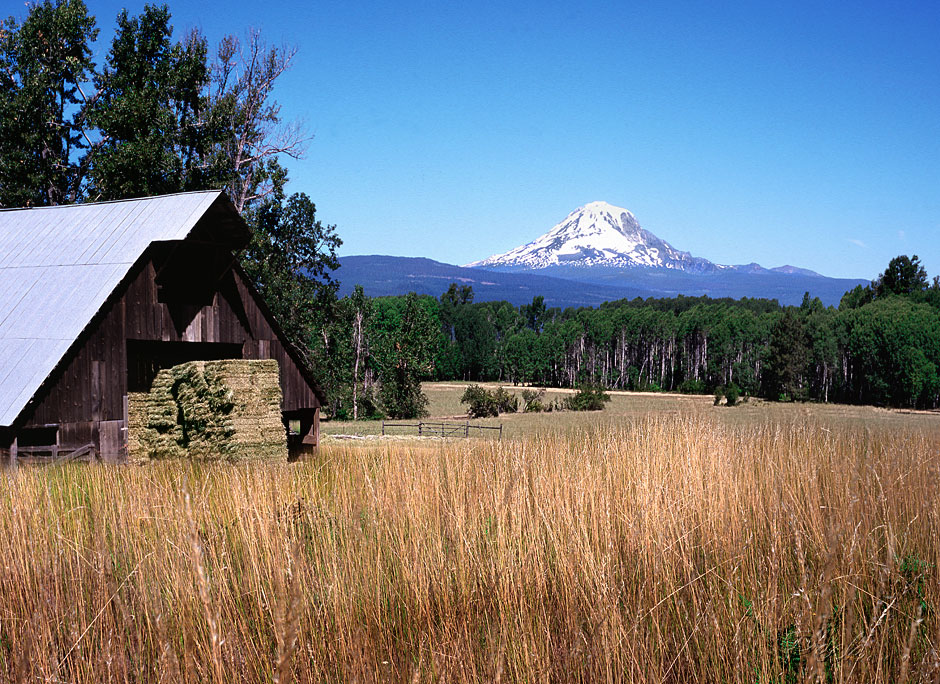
265	344
92	385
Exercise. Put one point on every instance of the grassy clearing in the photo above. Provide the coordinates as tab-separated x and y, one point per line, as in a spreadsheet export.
444	398
681	547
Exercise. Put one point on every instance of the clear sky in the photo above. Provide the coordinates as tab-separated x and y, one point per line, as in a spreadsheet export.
805	133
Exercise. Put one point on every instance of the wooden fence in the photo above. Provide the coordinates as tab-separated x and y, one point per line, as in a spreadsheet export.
442	428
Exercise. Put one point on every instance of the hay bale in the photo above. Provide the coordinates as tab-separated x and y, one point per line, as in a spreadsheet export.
138	413
258	431
211	410
163	436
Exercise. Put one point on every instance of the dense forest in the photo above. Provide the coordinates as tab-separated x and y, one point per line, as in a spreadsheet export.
880	346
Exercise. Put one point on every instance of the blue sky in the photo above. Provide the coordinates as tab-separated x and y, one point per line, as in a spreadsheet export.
802	132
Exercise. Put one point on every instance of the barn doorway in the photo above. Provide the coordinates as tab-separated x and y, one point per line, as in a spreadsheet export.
146	358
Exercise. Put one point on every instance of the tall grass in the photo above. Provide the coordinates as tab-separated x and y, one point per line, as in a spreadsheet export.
668	549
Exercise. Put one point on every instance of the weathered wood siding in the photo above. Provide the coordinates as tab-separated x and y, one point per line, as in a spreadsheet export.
91	386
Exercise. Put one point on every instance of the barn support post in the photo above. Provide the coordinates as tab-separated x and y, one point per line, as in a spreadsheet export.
13	454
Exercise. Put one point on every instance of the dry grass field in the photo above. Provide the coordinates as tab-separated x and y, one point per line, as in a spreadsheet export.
663	540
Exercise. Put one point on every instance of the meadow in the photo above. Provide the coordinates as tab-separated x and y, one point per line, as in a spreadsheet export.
662	540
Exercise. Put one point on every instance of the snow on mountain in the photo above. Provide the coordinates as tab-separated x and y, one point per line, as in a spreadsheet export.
598	234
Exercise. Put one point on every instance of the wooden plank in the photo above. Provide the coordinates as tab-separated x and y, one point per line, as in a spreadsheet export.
111	441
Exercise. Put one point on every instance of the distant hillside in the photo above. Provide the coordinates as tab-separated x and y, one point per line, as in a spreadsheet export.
388	275
785	286
572	286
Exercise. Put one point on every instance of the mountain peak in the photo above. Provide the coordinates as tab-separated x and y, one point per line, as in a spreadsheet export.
597	234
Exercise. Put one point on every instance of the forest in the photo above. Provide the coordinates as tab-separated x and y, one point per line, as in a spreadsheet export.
880	346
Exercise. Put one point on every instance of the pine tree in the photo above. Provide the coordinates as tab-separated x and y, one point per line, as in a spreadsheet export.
148	111
43	65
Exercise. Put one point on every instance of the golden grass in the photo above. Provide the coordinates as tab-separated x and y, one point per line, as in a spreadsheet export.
669	548
445	404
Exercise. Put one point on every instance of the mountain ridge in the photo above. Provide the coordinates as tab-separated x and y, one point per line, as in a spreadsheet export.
383	275
599	234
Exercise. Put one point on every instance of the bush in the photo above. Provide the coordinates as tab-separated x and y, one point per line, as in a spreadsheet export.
587	398
533	401
731	394
403	398
506	402
370	407
486	404
482	404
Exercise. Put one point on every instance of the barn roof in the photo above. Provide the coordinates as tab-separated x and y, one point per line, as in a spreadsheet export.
58	266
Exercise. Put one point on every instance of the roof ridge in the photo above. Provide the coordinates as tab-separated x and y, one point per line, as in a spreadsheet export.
114	201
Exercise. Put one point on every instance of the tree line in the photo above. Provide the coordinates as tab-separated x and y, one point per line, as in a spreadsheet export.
880	346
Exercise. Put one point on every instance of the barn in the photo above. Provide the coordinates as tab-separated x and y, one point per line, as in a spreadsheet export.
96	298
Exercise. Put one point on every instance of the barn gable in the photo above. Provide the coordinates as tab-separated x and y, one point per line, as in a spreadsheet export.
94	297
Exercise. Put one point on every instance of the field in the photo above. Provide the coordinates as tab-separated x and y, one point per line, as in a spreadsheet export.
662	540
445	404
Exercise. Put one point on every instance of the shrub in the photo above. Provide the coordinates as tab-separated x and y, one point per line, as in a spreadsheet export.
532	401
482	404
587	398
403	398
732	392
506	402
487	404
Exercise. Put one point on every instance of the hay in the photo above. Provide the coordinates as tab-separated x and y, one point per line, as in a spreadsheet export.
210	410
255	418
138	411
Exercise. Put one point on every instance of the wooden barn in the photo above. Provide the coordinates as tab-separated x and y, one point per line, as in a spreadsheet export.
96	298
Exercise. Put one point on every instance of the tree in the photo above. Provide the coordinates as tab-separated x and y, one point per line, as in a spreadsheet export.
148	111
251	136
408	357
290	259
788	359
42	66
855	298
904	276
362	309
520	356
534	313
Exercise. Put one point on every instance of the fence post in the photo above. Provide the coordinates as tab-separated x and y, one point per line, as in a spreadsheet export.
420	429
383	427
500	430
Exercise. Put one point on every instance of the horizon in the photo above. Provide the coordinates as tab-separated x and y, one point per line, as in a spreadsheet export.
802	135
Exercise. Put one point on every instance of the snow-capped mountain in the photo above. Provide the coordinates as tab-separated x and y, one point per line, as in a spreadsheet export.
598	234
598	253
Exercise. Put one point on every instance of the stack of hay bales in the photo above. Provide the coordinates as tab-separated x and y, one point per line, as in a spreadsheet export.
210	410
138	415
255	418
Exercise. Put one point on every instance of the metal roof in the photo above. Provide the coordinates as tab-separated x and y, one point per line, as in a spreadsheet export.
58	265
